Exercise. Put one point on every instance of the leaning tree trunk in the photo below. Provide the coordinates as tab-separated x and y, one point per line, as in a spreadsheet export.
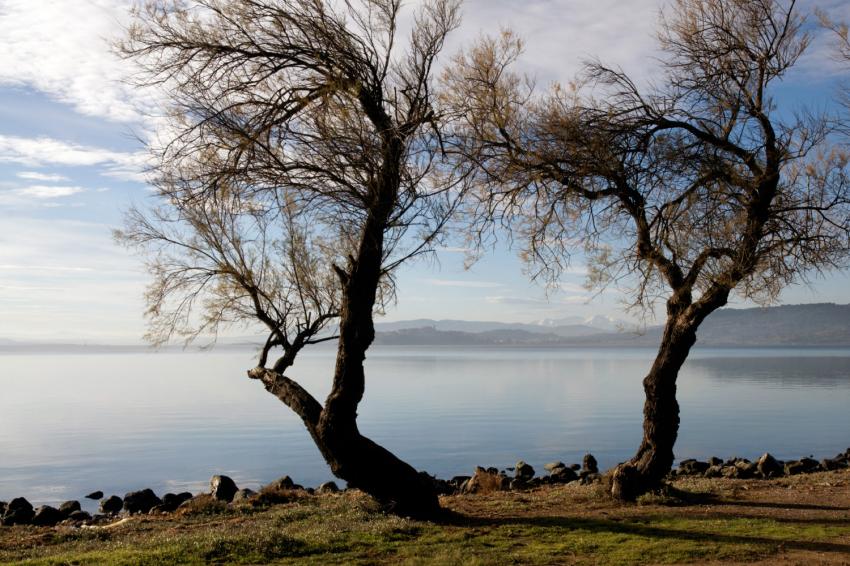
351	456
653	460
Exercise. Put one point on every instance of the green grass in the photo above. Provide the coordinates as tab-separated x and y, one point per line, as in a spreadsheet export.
350	529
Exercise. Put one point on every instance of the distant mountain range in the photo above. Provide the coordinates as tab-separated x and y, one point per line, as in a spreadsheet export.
824	324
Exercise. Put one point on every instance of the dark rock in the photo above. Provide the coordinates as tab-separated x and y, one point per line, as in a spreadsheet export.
111	505
801	466
79	516
310	491
518	484
328	487
715	461
19	511
3	505
552	466
282	483
171	501
223	488
563	475
243	495
830	464
159	510
95	495
575	467
746	469
47	516
692	467
141	501
715	471
769	467
69	507
458	481
589	478
493	470
588	464
523	471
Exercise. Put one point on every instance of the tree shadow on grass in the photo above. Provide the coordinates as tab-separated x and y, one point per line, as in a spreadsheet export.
627	526
710	499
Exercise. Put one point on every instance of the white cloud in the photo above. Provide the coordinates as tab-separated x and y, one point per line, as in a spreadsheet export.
35	176
60	268
462	283
518	301
49	151
62	48
37	195
48	191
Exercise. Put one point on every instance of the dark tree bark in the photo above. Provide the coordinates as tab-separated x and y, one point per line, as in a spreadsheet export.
647	469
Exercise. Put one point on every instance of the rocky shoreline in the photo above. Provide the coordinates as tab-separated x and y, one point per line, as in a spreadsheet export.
224	491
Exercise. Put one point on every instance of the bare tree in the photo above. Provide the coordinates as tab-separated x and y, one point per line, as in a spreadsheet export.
686	193
301	167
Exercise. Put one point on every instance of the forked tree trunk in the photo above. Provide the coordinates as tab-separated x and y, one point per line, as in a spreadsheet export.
654	458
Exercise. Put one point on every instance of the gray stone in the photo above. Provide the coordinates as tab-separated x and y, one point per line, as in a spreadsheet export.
692	467
282	483
141	501
328	487
563	475
96	495
111	505
589	478
523	471
243	495
746	469
552	466
714	472
715	461
223	488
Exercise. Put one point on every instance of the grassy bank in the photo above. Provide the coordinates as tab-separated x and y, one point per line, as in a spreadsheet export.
799	520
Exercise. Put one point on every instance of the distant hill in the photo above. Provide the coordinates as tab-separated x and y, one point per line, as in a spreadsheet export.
824	324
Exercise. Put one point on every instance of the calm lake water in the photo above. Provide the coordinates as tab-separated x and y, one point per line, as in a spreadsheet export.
74	423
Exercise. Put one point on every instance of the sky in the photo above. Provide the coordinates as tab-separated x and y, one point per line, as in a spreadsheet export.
72	137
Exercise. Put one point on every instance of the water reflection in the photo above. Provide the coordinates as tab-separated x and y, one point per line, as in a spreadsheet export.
70	424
